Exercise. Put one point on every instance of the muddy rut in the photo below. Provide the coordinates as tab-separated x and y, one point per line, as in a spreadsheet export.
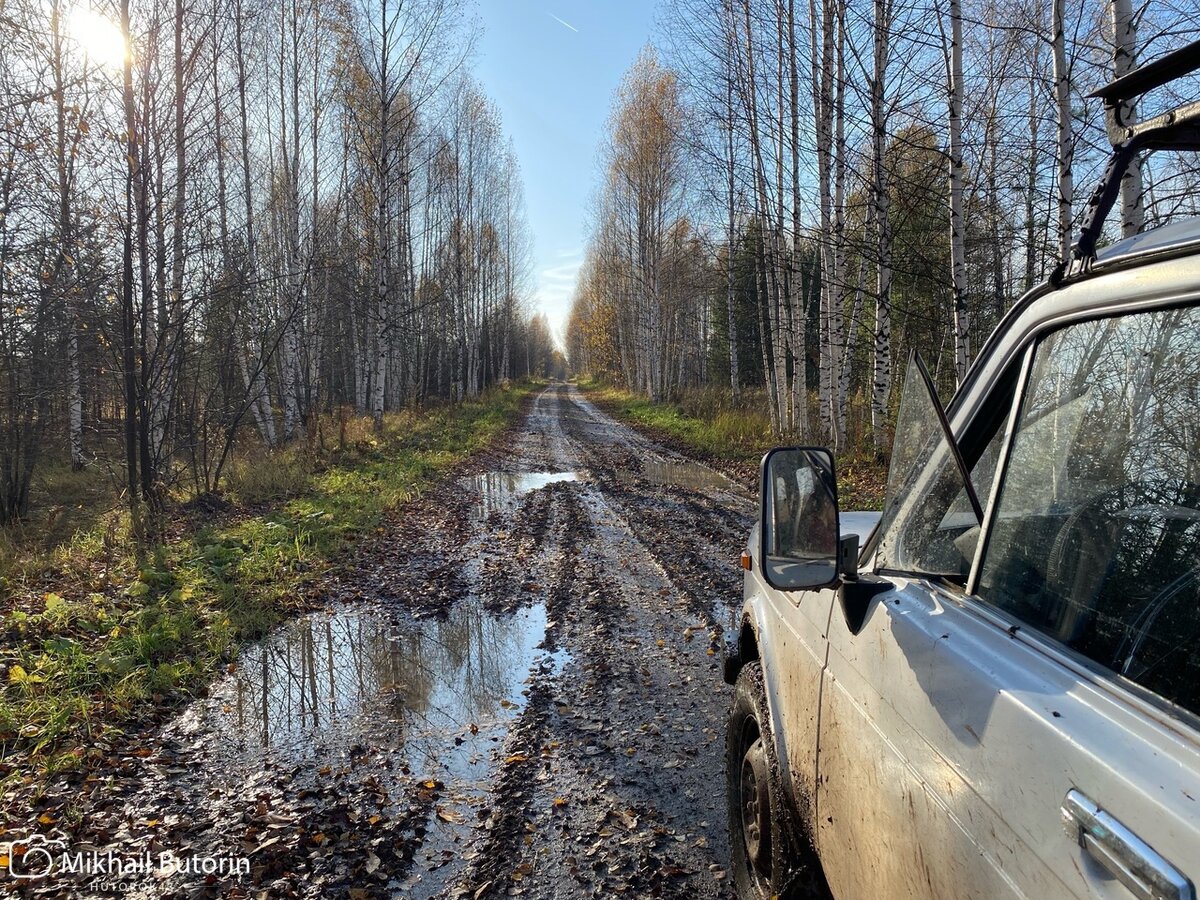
515	690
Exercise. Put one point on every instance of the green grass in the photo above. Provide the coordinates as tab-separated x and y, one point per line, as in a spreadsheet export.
89	635
706	421
718	430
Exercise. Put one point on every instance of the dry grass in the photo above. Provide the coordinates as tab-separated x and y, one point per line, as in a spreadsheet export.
270	475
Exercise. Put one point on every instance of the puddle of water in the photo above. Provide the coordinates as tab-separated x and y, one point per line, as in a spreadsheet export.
497	490
679	473
324	673
442	693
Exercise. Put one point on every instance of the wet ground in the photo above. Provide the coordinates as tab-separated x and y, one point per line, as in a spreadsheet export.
514	691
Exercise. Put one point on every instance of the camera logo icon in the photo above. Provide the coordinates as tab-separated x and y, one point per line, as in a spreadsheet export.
31	857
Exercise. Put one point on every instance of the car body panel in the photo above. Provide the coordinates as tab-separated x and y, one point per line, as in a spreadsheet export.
976	739
791	639
790	630
948	737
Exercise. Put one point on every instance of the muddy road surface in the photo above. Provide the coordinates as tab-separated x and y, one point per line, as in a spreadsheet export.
514	690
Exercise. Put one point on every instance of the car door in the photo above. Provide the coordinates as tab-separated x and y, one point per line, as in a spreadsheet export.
1029	729
792	639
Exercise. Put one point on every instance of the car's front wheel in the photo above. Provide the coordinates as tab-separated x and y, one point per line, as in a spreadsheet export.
761	839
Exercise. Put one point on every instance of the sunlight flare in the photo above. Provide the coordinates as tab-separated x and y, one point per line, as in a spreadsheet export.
99	37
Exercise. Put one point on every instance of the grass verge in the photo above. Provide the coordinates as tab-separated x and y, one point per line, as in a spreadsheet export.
91	637
705	422
732	436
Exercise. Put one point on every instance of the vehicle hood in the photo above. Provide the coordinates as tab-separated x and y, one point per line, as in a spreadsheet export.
860	523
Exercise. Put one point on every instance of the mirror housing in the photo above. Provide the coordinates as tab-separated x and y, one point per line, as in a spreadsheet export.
848	548
800	546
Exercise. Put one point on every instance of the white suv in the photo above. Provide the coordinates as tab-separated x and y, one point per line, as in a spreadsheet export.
1000	694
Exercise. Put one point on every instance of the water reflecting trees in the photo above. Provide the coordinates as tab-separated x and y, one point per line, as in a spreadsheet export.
439	675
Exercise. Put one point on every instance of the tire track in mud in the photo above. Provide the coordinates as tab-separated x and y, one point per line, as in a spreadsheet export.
557	510
628	737
692	536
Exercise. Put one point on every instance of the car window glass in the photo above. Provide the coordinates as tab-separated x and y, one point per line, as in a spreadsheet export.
1096	539
802	522
928	526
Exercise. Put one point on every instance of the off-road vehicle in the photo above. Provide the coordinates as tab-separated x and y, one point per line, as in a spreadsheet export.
992	688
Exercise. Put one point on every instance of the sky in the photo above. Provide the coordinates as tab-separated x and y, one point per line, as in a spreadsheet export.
552	67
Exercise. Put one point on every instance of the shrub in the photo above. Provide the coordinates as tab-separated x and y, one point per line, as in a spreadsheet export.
272	475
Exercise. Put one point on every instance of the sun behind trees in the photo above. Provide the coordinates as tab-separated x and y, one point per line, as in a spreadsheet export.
796	195
219	221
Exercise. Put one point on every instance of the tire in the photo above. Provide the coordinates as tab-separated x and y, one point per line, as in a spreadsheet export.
764	840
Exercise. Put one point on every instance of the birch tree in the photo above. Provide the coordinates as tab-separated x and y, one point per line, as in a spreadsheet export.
1124	42
958	264
926	176
182	242
1065	147
881	373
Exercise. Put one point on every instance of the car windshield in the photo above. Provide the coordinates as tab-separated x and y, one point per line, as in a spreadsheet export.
928	525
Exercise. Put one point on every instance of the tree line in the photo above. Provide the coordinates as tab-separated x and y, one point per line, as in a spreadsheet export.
792	196
221	219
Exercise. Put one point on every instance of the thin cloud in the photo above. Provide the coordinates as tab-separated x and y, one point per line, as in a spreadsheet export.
554	291
562	23
563	275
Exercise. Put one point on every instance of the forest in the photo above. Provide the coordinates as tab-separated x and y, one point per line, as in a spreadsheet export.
224	225
792	197
323	555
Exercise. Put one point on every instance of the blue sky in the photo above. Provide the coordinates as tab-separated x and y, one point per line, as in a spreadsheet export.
551	66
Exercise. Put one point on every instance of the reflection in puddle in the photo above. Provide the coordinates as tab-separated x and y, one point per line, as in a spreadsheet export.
337	674
679	473
498	489
440	693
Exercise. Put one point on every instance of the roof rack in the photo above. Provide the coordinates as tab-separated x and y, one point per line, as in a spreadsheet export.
1143	79
1178	129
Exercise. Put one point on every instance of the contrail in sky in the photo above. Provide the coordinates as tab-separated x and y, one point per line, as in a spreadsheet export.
561	22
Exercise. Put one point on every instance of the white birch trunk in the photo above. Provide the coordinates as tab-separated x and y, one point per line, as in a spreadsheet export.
74	395
1031	173
840	352
379	349
769	341
798	317
1066	139
881	360
778	259
958	262
731	200
64	153
258	390
1133	213
822	83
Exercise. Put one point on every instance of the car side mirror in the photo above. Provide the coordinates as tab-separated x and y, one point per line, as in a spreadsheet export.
799	530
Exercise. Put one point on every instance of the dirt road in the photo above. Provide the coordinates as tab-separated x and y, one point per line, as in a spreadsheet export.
515	691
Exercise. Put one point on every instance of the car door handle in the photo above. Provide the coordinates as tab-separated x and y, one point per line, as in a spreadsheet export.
1122	853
